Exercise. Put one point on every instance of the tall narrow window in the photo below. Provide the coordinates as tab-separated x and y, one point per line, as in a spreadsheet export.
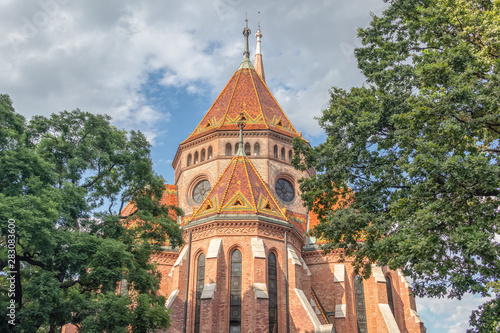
247	149
209	152
290	156
195	158
229	149
235	292
388	285
275	151
359	298
256	149
283	157
273	293
189	160
200	282
202	158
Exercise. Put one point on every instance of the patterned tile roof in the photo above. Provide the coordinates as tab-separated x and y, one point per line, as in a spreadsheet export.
245	92
240	190
169	198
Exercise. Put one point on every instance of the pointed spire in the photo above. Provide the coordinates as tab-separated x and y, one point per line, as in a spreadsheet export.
246	54
259	65
241	124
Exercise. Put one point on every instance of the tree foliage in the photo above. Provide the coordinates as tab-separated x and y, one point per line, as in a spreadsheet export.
418	146
65	180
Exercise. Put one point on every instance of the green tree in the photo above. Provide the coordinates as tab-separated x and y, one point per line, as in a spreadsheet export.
64	183
412	157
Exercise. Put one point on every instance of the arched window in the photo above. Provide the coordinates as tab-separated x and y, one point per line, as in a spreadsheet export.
275	151
247	149
235	292
200	283
189	160
209	156
273	293
290	156
359	298
202	158
236	147
229	150
195	158
283	157
390	300
256	149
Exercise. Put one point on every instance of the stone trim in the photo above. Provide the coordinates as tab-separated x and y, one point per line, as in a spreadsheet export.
293	255
389	319
171	298
181	256
415	315
378	274
214	248
318	327
209	291
340	310
245	227
258	248
339	273
260	290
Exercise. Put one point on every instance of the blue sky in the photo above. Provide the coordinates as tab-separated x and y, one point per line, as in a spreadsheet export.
157	66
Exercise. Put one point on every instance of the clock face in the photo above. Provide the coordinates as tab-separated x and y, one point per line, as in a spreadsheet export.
201	191
284	190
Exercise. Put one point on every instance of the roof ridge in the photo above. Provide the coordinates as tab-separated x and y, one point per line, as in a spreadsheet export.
258	99
250	185
231	99
236	157
268	191
207	113
281	109
211	190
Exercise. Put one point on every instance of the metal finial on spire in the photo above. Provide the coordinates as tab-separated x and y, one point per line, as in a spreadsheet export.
258	64
246	63
241	124
246	33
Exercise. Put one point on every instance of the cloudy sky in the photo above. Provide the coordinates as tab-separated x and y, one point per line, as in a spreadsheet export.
157	66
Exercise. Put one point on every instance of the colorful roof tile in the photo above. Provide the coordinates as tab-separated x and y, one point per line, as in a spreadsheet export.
169	198
245	92
240	190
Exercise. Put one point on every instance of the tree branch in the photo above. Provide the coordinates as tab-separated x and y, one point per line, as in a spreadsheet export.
99	176
31	261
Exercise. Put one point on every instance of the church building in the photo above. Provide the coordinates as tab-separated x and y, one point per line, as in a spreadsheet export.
247	264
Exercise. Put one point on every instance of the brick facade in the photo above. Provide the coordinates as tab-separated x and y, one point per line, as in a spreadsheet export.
315	291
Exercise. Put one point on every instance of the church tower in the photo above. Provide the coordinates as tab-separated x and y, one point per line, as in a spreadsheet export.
245	266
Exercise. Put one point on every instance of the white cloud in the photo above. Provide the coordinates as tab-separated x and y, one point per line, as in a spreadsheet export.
448	315
63	54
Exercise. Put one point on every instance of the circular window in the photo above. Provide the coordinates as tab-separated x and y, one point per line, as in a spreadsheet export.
201	190
284	190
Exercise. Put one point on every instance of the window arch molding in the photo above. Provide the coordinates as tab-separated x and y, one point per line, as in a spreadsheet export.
228	149
390	295
199	285
291	179
235	258
256	149
272	289
360	303
191	185
202	155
